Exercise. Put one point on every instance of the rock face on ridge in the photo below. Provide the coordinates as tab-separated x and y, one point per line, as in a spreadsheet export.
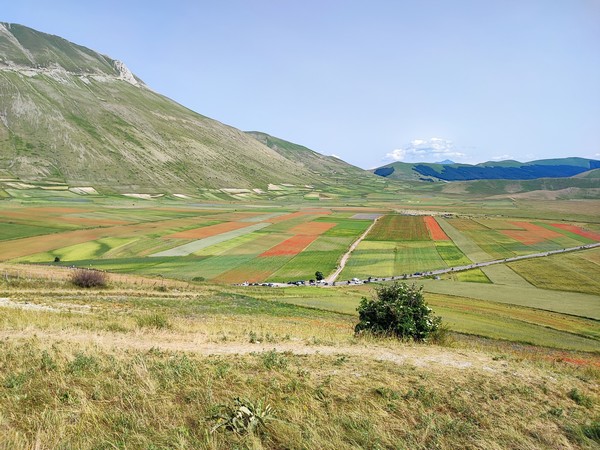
69	114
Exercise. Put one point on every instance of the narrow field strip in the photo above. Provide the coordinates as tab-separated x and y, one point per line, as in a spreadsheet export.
462	241
211	230
366	216
502	274
191	247
584	305
295	215
262	217
577	230
435	231
530	233
291	246
312	228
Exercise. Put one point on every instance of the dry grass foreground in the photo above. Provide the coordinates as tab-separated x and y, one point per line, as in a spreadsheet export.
135	367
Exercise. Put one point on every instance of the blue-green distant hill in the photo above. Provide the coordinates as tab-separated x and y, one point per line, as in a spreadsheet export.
492	170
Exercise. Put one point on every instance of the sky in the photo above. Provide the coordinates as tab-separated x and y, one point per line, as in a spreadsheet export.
368	81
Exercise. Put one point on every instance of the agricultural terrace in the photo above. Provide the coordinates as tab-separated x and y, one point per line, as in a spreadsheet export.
400	244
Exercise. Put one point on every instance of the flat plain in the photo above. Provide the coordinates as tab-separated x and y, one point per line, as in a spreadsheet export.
174	339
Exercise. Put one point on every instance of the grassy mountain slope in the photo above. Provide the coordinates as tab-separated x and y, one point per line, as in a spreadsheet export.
491	170
72	115
315	162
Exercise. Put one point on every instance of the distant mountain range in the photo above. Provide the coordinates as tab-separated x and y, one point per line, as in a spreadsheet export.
71	115
492	170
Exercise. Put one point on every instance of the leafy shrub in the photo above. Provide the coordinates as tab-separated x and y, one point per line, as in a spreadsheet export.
86	278
319	276
398	310
244	416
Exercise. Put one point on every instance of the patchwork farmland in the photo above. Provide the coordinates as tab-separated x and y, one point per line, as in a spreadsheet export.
400	244
233	245
229	244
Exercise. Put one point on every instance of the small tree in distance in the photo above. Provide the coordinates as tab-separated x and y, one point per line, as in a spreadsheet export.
398	310
319	276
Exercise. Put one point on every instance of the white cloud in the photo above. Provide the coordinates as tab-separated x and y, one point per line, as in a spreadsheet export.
335	156
426	150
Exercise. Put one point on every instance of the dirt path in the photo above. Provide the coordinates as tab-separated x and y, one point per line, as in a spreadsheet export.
331	278
413	354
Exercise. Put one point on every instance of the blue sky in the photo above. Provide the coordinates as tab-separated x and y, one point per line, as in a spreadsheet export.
368	81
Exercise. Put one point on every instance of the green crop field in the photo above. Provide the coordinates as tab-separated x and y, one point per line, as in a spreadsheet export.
575	272
396	228
11	230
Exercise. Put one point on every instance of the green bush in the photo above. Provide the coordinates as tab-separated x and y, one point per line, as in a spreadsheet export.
398	310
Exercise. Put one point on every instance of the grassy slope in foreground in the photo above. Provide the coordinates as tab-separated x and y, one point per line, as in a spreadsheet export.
145	367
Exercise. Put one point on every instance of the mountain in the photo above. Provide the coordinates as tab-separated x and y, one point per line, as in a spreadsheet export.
492	170
71	115
325	166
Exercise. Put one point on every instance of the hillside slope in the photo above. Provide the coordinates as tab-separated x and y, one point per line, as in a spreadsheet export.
69	114
491	170
326	166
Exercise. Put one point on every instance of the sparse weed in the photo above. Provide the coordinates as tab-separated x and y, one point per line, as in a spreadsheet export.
274	360
47	363
157	321
82	363
580	398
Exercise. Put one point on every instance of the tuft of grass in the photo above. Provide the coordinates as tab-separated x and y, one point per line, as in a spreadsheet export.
580	398
592	431
154	320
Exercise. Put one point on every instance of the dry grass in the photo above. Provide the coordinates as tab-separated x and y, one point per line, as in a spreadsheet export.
86	396
135	367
